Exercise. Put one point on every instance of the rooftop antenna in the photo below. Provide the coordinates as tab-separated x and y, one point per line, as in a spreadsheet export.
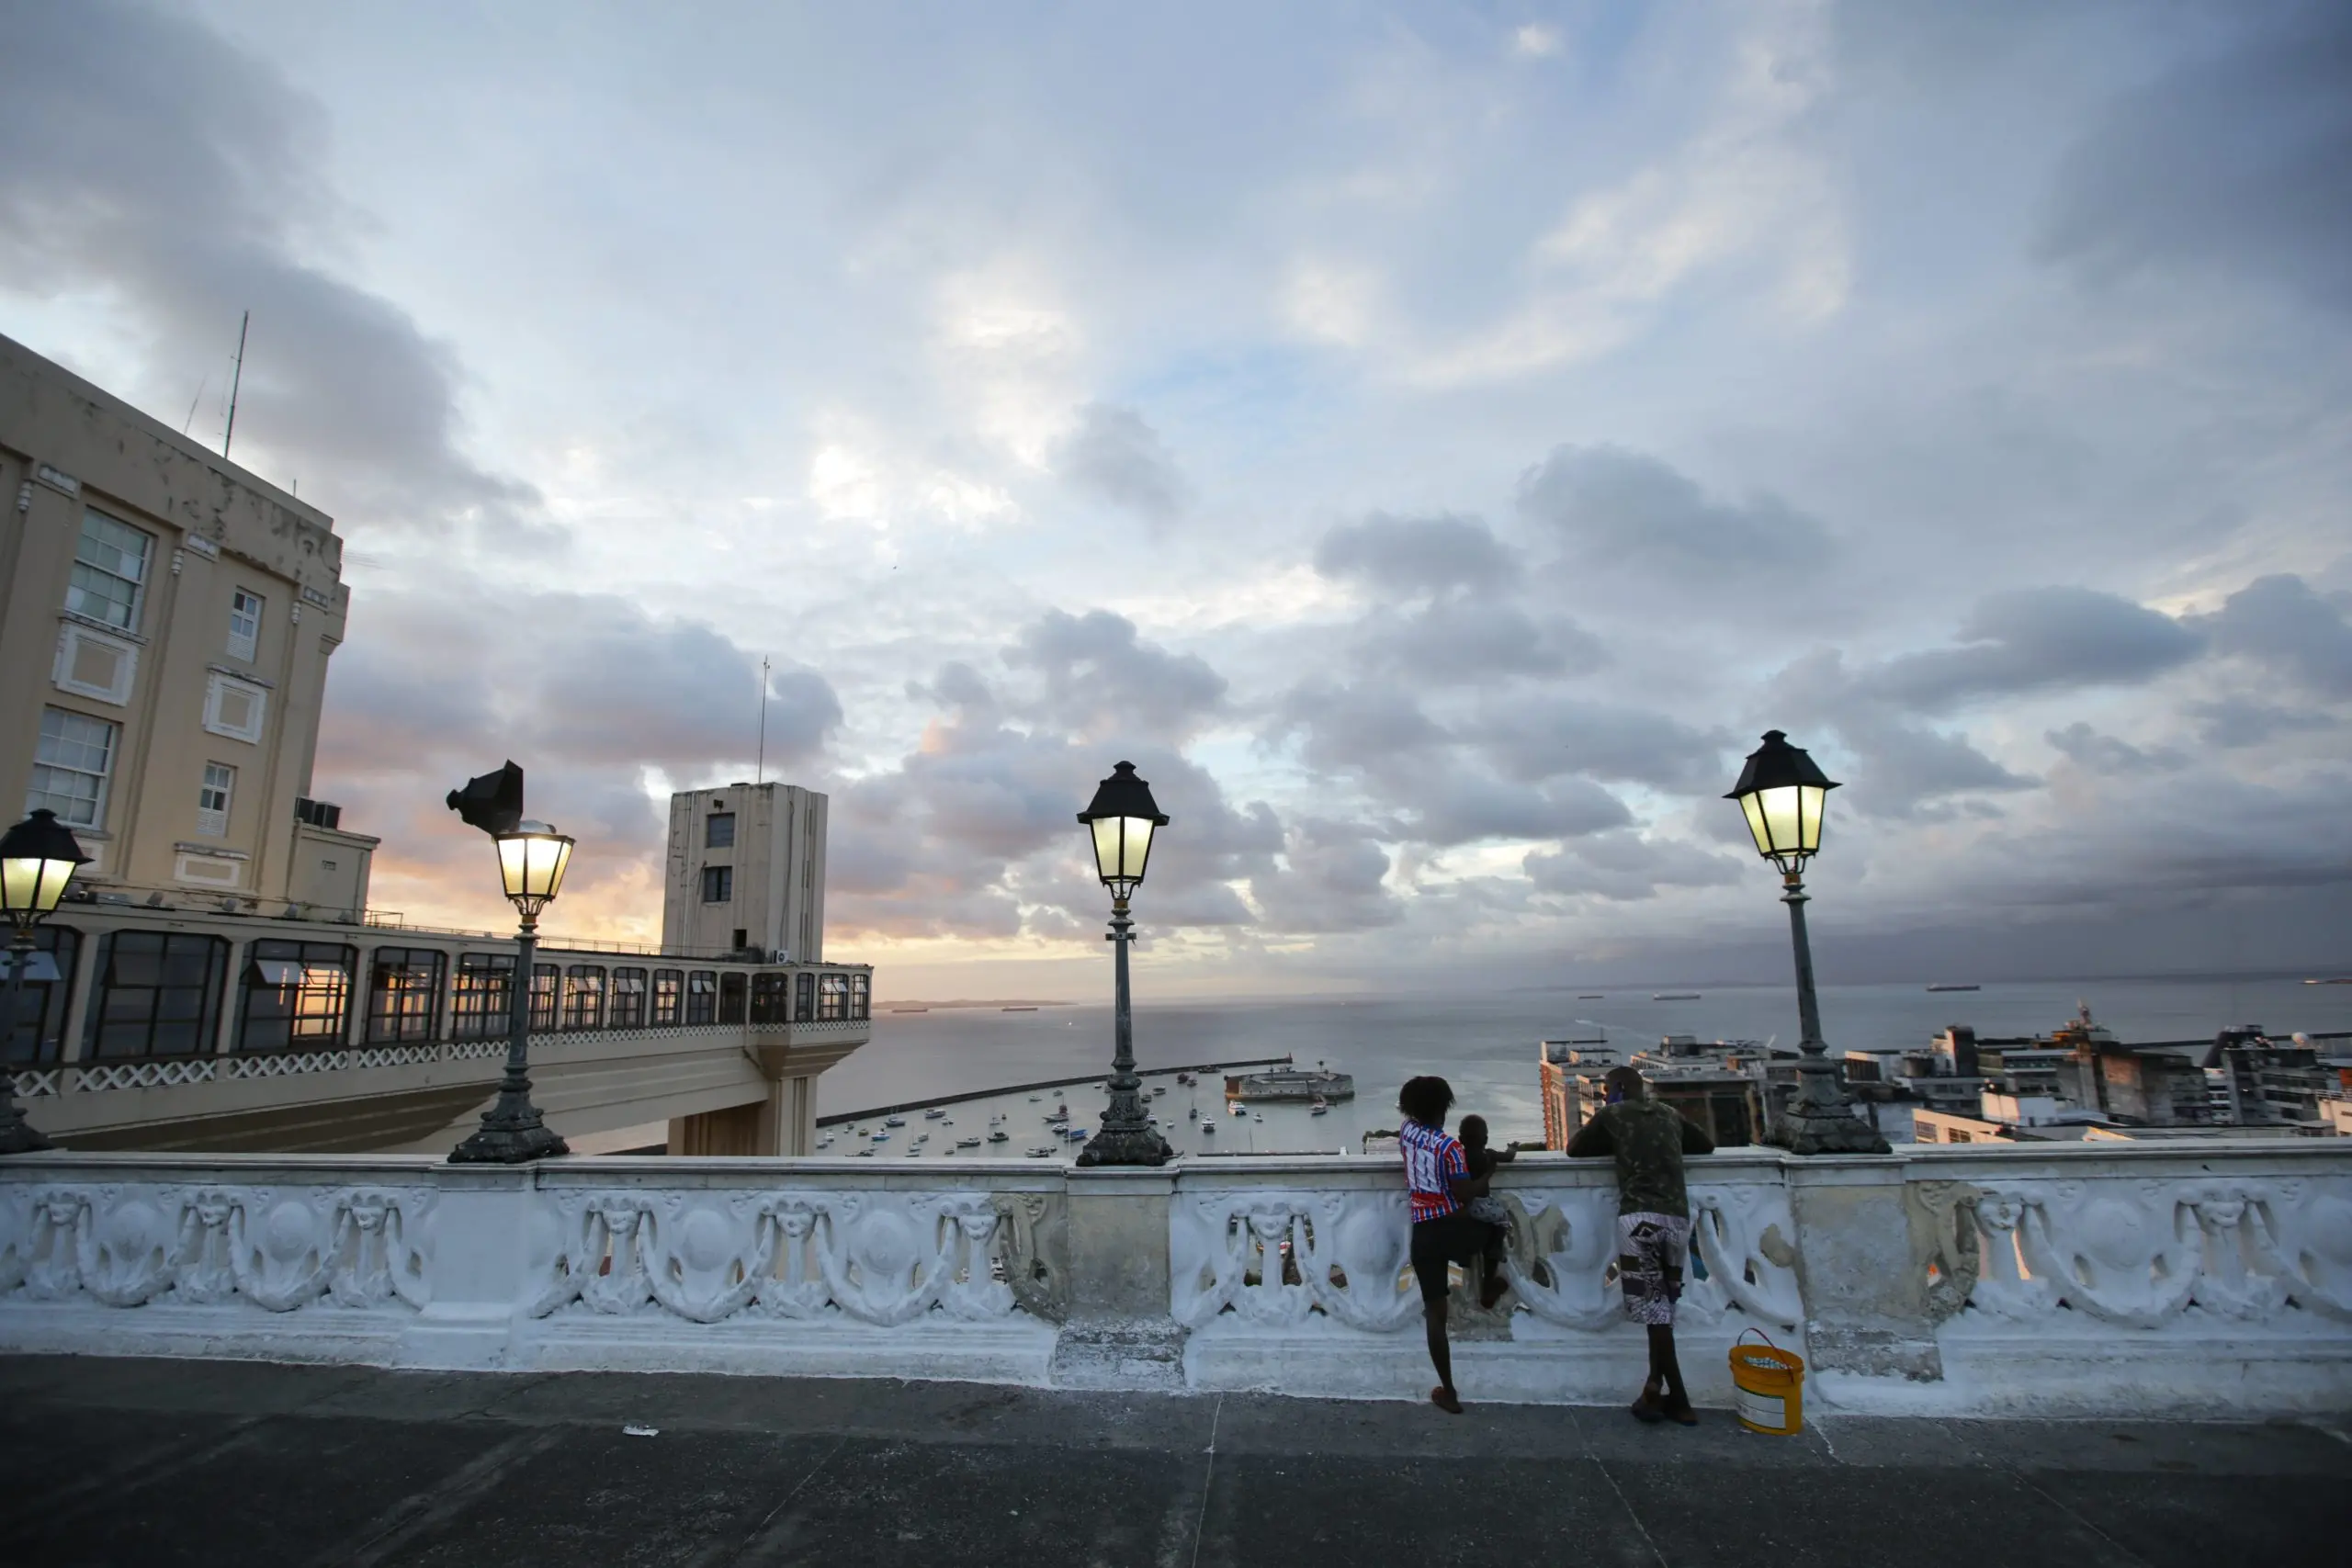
236	381
201	385
759	768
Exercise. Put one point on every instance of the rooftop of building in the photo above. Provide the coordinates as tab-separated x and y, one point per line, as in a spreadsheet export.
200	1462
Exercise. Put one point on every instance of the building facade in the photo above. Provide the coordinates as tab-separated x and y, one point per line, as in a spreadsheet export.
746	872
167	619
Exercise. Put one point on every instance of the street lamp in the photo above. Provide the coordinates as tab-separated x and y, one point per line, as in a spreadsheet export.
1121	820
1784	793
532	858
38	859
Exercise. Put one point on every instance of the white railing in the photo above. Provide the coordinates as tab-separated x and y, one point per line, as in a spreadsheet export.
1964	1280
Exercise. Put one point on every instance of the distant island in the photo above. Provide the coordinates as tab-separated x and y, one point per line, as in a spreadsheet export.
967	1002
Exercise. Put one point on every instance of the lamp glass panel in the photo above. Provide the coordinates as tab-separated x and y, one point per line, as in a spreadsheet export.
21	883
1138	846
1811	798
1781	814
1106	846
1754	808
513	851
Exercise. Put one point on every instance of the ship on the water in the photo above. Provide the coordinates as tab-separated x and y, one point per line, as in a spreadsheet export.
1674	996
1290	1083
1944	987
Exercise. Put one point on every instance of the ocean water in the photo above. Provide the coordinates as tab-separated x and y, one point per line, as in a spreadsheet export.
1483	1043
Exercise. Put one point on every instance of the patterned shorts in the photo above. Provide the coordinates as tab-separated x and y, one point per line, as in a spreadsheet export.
1650	1250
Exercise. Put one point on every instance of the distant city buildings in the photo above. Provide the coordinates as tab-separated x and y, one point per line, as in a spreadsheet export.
1731	1089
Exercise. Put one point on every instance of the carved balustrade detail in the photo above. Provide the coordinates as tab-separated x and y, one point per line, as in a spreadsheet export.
2146	1253
277	1248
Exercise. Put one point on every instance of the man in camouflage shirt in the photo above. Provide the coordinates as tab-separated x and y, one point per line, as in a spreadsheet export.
1648	1139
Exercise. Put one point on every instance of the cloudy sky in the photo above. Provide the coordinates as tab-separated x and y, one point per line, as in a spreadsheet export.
1432	442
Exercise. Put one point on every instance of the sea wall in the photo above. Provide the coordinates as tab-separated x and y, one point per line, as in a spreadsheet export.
2066	1280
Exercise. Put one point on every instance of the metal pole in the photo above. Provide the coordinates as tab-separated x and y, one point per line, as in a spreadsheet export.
1126	1135
1823	1121
512	1131
16	1136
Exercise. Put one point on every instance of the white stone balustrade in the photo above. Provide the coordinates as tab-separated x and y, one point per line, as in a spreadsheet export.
2083	1278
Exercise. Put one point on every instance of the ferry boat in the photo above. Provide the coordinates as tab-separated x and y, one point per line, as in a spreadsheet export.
1942	987
1291	1083
1017	1010
1674	996
1592	996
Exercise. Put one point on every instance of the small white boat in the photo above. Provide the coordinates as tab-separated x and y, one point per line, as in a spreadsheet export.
893	1120
967	1143
1160	1088
1208	1129
1033	1099
1000	1137
1041	1151
933	1114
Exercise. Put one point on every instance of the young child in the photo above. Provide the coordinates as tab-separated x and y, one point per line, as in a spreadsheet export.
1472	1130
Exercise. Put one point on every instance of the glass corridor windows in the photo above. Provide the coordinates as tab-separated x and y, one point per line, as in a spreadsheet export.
296	995
403	994
482	1007
158	994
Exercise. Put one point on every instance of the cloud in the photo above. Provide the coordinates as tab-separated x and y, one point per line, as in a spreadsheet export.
2033	639
1907	770
2230	164
1103	681
1333	879
192	189
1625	867
2086	748
1555	733
1410	556
1616	508
1457	807
2229	723
1356	726
1114	457
1462	639
2280	623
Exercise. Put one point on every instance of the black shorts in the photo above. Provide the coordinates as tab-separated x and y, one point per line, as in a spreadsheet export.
1456	1237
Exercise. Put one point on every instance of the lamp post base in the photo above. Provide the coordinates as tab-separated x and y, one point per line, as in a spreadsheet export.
1826	1132
1127	1146
509	1145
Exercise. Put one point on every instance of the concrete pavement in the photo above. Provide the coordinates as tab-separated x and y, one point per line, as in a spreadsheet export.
142	1462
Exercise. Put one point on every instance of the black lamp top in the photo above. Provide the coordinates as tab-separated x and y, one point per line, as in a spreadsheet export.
493	802
42	836
1124	794
1776	765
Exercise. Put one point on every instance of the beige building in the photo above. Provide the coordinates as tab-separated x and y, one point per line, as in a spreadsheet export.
176	615
215	979
746	873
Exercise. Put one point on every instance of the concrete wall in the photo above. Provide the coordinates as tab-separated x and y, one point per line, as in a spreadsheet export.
1954	1281
68	449
778	864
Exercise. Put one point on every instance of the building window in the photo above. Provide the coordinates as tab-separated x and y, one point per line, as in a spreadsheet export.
832	998
804	1001
70	767
244	624
34	1034
718	884
669	997
771	999
403	994
546	981
628	999
212	799
702	996
480	1008
234	708
159	995
583	997
860	996
719	831
91	664
109	572
298	996
730	999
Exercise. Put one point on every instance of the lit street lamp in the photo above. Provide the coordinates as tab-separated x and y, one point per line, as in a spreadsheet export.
1121	820
38	859
1785	795
532	857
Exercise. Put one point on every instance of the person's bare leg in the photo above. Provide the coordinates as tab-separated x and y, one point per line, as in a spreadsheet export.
1441	1357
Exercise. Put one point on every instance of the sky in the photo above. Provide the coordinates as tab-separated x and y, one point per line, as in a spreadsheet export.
1431	442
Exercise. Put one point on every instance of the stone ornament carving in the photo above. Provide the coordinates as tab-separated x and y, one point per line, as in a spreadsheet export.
1281	1259
885	1258
1033	1251
276	1248
2142	1254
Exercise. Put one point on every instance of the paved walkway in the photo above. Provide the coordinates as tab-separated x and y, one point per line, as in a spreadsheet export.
148	1463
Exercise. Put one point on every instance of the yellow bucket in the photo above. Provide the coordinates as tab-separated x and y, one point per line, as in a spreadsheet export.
1770	1385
